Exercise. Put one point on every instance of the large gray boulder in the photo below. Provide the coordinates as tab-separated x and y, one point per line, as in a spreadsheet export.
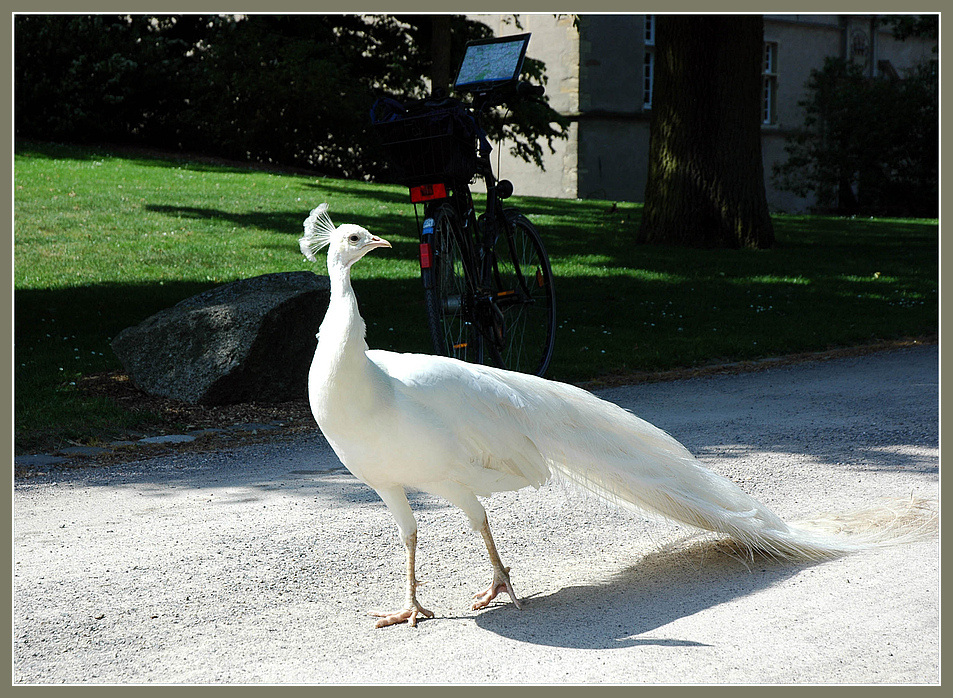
247	341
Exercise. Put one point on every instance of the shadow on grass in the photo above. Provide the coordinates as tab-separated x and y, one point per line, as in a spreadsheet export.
84	319
620	306
399	227
63	334
382	222
638	309
285	222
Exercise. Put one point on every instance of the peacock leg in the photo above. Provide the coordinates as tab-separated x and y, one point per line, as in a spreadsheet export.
501	575
396	501
476	515
412	608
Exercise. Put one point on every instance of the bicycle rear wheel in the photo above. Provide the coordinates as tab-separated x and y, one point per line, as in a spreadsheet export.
523	277
448	297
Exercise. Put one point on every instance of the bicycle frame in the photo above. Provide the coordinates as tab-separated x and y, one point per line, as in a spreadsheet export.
479	238
490	290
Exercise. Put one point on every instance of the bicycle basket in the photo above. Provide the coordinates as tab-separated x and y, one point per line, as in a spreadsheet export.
437	145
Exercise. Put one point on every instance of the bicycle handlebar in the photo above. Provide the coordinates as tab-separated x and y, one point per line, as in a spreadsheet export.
506	93
494	97
527	89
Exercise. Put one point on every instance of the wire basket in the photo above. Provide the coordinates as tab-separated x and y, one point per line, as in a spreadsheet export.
427	148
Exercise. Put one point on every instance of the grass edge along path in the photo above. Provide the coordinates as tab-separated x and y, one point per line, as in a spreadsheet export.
104	239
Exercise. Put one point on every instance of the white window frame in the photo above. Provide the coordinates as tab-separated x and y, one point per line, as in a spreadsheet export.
648	63
769	92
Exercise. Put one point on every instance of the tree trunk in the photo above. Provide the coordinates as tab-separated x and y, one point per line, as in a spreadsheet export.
440	53
705	184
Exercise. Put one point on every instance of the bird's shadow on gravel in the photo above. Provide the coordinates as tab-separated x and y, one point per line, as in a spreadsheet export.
625	609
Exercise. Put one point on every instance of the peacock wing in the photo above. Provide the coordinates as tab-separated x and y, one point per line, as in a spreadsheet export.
474	409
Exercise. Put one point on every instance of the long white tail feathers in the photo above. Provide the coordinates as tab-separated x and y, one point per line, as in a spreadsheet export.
597	447
695	496
894	522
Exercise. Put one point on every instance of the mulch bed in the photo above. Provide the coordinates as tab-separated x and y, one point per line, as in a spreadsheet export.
174	416
233	425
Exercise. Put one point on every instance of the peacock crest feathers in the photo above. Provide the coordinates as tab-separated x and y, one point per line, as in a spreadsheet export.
318	230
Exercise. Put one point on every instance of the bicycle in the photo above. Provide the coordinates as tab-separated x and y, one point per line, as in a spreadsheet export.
487	279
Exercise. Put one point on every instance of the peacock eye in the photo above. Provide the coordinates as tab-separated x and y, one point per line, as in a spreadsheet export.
353	237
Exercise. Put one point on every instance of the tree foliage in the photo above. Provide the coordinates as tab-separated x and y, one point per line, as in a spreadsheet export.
905	26
96	77
867	145
286	89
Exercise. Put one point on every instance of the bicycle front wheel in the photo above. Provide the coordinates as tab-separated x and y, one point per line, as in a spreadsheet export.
523	340
448	298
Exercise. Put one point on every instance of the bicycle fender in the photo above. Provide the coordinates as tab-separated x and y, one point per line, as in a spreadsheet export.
426	253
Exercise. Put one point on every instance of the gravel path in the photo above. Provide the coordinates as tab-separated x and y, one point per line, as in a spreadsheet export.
258	565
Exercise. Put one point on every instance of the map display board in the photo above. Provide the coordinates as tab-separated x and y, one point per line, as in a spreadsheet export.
491	62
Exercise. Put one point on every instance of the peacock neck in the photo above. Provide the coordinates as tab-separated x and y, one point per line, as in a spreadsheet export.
342	331
343	381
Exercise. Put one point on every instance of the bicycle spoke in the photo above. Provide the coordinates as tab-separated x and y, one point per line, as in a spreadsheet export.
448	300
525	296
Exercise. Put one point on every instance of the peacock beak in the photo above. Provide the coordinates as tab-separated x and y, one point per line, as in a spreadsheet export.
377	242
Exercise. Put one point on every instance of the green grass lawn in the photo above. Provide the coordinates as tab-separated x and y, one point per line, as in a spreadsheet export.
103	240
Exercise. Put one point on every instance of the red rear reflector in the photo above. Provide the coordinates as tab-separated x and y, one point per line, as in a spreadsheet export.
427	192
426	255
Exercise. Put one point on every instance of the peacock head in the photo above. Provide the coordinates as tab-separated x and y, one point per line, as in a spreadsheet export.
346	244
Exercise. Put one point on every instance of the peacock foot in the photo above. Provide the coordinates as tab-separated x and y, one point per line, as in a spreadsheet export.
408	614
501	582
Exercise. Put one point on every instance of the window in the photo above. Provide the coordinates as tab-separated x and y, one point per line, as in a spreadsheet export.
859	47
769	98
648	64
